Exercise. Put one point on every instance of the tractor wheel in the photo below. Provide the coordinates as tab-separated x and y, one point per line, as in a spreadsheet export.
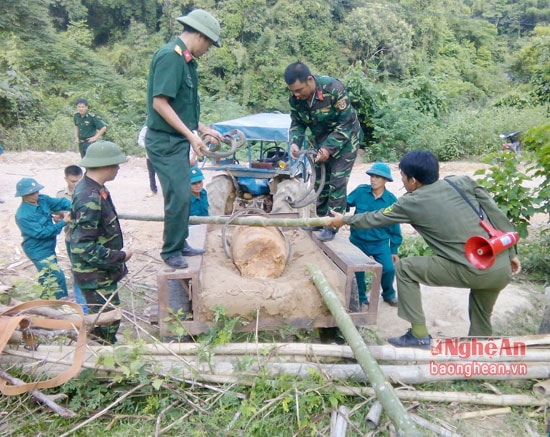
221	195
288	190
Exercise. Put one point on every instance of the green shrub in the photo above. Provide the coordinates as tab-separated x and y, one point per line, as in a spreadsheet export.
414	245
534	253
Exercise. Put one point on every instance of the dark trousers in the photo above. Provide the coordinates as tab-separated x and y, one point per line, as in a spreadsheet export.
152	179
83	147
169	155
381	253
95	299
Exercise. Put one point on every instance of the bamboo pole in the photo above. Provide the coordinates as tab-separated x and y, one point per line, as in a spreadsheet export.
52	362
373	416
542	389
339	422
545	322
410	374
90	320
385	352
283	222
48	400
53	358
453	397
384	391
483	413
439	430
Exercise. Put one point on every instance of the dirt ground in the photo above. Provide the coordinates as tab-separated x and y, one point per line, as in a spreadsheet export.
446	308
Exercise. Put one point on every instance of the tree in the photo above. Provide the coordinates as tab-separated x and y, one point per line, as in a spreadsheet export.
533	64
378	37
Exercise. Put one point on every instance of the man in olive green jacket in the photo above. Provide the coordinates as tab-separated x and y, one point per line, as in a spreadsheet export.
442	217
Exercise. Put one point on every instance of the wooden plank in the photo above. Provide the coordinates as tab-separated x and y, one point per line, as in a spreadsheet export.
351	259
190	276
344	254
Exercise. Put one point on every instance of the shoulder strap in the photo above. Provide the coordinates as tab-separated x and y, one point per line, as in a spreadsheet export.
459	191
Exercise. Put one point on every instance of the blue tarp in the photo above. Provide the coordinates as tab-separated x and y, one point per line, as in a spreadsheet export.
264	126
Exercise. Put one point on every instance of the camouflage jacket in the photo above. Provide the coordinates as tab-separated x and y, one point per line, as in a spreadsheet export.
330	118
96	237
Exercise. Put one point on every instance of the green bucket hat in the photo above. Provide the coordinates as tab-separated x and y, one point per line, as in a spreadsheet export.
27	186
102	154
380	169
203	22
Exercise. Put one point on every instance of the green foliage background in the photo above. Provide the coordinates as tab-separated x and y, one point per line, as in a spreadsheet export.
444	75
448	76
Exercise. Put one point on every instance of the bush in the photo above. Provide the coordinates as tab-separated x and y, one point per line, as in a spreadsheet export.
534	253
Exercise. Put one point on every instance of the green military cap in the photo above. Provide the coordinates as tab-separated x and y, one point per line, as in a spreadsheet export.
380	169
196	175
27	186
102	154
203	22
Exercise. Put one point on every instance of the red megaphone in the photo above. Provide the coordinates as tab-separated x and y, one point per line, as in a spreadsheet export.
482	252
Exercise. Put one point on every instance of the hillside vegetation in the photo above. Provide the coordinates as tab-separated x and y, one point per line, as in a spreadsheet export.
438	74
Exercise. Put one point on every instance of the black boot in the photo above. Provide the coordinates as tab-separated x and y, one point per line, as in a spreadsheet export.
327	234
189	251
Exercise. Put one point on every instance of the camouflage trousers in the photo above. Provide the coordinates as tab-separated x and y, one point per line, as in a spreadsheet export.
95	299
334	192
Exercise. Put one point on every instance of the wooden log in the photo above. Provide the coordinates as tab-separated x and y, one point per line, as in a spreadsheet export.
384	391
259	252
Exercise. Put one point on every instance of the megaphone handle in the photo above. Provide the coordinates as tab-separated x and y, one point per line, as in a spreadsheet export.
490	230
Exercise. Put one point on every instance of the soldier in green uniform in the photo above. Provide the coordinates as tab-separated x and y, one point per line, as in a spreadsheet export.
88	127
321	103
97	249
173	109
442	217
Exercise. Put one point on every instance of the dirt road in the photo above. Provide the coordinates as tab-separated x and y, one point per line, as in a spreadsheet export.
446	308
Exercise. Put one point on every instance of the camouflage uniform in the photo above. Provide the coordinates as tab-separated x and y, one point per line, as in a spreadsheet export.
96	255
335	126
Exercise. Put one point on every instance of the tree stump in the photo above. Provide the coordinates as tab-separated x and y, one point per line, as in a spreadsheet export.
259	252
